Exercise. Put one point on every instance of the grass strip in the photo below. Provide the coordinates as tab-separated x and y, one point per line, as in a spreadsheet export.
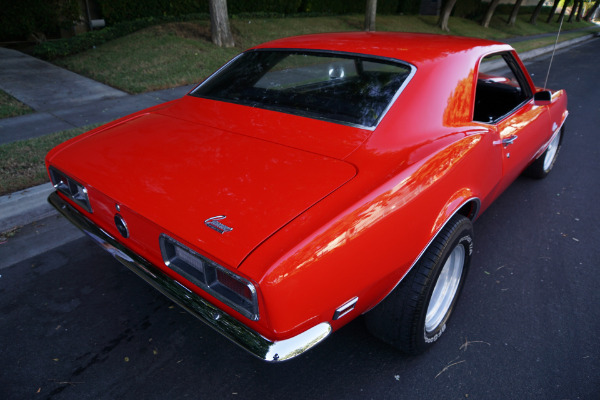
11	107
22	163
532	44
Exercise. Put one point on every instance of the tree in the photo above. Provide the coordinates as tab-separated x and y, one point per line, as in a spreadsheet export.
219	24
445	15
561	17
370	14
515	11
580	12
536	12
590	14
552	11
576	5
489	13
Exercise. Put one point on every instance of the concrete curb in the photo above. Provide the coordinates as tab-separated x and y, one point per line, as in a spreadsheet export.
528	55
26	206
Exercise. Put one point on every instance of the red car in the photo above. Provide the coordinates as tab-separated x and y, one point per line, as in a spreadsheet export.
315	179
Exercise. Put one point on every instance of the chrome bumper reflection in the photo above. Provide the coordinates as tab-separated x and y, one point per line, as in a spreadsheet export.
223	323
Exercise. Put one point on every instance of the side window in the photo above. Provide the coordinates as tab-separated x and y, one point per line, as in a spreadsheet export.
501	88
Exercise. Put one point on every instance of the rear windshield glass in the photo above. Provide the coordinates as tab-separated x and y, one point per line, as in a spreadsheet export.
344	88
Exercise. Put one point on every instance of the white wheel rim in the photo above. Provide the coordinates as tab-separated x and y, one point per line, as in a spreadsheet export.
551	152
445	289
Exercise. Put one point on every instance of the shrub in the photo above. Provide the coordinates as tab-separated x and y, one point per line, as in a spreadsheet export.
125	10
22	18
64	47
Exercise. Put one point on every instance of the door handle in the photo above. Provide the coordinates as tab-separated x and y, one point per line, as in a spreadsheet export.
509	140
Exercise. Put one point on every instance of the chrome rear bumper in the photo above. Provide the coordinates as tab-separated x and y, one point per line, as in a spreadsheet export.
223	323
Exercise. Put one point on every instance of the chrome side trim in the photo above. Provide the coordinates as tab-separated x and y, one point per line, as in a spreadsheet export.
223	323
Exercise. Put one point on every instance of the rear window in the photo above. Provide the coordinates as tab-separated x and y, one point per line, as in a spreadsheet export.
344	88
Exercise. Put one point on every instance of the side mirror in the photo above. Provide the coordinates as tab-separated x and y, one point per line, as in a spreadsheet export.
542	97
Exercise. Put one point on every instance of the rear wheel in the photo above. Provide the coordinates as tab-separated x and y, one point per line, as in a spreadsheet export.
414	315
541	167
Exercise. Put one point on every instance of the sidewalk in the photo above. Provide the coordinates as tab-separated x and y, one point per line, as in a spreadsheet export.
64	100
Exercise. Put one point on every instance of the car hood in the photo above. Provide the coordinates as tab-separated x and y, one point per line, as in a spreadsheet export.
180	173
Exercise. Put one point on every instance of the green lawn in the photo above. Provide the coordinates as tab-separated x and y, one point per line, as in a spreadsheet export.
176	54
522	47
11	107
22	163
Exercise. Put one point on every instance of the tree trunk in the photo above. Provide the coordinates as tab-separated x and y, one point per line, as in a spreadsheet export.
536	12
580	12
219	24
561	17
489	13
590	13
574	9
370	14
552	11
515	11
445	15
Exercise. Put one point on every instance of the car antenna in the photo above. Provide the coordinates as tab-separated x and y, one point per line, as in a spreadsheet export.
553	51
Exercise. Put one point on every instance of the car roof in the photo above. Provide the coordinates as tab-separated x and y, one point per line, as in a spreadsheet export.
414	48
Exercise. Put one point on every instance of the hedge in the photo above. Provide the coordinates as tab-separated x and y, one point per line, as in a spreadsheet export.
64	47
126	10
22	18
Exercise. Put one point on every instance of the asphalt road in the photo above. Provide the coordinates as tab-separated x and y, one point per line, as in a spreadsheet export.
75	324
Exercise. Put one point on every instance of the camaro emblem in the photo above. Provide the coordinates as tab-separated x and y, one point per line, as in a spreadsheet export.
213	223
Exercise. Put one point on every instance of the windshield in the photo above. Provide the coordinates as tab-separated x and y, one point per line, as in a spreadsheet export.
343	88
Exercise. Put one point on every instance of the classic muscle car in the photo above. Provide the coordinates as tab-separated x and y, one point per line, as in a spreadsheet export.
315	179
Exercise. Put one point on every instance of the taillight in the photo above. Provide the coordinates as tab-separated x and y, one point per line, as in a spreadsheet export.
228	287
70	188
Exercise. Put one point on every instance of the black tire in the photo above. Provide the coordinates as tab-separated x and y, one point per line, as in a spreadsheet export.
542	166
401	319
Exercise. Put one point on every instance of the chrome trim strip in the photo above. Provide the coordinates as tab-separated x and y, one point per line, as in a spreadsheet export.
223	323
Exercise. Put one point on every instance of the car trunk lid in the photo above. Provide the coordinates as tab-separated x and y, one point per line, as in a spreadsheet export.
193	180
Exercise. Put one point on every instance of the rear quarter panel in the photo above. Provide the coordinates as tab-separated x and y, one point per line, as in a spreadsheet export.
367	247
423	162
